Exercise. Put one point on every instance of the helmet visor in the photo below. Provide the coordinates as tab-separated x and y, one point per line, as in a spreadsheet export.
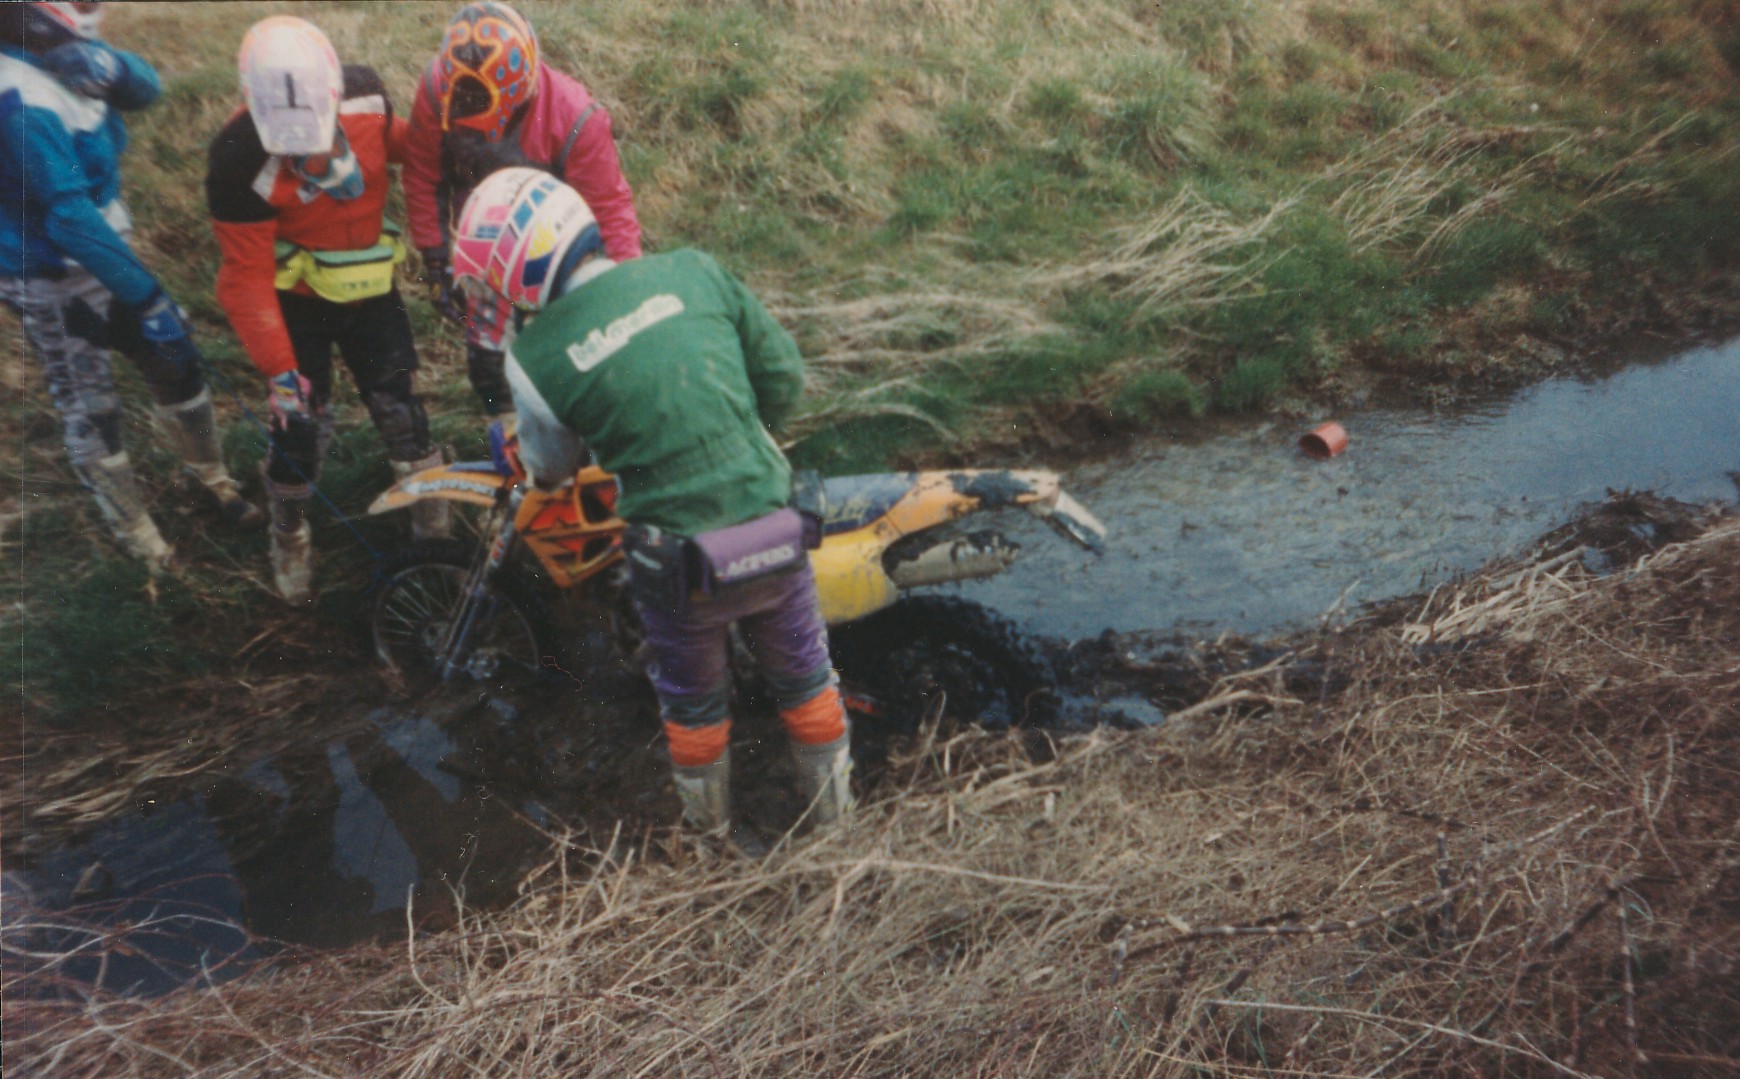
471	97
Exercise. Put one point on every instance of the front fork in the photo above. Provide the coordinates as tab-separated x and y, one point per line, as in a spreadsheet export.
477	603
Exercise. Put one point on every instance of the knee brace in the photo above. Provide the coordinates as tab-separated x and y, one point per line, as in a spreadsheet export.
399	416
695	747
817	721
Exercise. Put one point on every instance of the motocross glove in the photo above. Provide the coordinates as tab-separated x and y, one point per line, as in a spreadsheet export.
161	319
87	68
167	338
294	428
438	275
288	400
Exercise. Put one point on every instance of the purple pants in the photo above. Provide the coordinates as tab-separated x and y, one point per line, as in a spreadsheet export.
690	649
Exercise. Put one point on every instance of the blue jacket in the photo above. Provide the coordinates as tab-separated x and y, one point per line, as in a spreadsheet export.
60	164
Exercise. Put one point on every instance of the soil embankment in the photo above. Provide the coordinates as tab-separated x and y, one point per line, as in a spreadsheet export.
1487	831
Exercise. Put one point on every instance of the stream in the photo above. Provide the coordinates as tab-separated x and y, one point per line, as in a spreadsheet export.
1245	533
1236	532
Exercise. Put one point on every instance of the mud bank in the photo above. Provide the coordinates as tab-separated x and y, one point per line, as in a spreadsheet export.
1486	830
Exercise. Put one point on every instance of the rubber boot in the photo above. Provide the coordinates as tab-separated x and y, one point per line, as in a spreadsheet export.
705	791
292	541
824	775
193	427
111	479
431	518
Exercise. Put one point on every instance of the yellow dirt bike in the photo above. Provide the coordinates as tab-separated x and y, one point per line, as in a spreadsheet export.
451	609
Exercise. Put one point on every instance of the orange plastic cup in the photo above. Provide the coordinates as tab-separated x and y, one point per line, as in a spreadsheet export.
1324	442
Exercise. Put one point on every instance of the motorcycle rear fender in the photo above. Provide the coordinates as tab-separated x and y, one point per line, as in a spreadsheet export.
476	482
851	580
938	497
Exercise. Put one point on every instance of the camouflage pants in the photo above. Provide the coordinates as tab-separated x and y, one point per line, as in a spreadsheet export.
71	323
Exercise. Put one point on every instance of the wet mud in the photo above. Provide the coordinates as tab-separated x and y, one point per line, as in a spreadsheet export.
317	817
449	799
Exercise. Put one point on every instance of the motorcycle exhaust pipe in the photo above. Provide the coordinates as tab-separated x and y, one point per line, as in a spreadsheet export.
978	554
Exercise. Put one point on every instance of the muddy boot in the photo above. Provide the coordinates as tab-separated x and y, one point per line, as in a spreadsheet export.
111	479
193	428
292	541
431	518
705	791
824	774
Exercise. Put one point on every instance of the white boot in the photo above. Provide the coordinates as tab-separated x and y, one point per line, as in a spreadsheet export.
431	518
293	564
705	791
292	540
192	426
111	479
824	774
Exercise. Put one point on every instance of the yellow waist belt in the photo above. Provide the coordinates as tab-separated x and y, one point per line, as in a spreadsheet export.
342	276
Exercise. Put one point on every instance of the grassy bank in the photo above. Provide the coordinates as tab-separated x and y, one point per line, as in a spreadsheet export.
1487	833
978	212
966	207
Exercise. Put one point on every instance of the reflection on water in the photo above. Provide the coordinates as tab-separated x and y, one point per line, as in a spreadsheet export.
1245	533
320	849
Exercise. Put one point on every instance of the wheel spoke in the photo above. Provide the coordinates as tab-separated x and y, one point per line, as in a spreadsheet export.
421	601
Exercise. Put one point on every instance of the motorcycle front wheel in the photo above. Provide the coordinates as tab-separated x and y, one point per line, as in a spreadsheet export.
424	594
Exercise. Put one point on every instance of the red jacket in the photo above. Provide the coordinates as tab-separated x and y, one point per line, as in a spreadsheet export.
255	200
592	167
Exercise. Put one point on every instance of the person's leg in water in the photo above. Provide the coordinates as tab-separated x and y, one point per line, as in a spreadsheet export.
790	642
688	667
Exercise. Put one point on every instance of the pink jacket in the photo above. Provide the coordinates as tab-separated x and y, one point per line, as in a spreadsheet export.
592	168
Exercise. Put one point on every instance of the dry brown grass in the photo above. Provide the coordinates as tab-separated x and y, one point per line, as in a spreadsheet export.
1510	849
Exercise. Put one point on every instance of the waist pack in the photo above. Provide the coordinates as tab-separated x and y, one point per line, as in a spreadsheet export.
342	276
665	568
749	551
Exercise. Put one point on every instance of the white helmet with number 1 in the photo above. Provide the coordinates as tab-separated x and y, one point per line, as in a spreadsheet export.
292	81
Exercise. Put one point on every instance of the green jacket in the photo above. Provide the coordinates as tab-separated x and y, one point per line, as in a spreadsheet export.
672	373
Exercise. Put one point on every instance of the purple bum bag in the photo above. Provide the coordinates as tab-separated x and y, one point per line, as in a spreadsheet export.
665	568
758	548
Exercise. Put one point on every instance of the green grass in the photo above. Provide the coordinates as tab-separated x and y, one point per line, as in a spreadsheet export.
977	196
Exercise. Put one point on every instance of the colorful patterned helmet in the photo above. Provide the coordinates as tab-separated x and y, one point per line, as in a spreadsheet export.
293	83
486	68
520	233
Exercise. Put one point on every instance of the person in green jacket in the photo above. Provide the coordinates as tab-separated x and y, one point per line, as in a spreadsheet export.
671	373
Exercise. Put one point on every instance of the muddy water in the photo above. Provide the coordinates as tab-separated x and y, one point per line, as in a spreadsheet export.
1243	532
1237	532
321	848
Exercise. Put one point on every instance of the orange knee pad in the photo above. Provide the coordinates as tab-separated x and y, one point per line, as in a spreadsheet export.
818	720
692	747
